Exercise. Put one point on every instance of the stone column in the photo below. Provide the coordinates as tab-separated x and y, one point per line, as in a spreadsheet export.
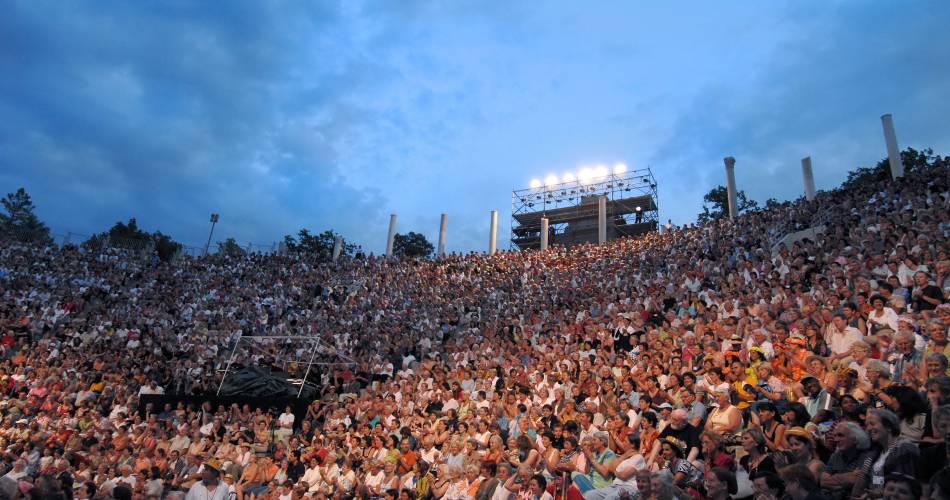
392	235
602	219
731	185
544	233
808	178
337	247
493	232
443	225
893	152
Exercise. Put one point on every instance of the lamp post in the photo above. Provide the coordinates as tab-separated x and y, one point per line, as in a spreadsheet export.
214	220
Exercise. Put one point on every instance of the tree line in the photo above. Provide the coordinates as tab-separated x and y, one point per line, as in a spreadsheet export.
19	221
716	201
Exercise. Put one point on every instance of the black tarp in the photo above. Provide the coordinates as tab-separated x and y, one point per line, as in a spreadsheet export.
255	382
254	386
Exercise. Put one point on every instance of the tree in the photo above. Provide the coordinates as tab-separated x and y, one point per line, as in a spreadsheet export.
165	246
319	246
716	204
130	237
231	248
412	245
772	203
20	222
912	159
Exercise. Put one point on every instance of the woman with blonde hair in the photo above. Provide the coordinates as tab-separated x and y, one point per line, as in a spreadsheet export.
496	450
725	419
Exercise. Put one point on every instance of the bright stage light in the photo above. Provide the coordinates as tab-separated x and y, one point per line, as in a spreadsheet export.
568	177
601	171
620	169
550	180
585	175
535	183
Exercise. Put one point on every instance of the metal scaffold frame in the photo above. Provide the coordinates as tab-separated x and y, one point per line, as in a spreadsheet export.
317	344
632	206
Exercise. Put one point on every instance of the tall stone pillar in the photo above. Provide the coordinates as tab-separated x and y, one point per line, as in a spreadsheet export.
443	225
731	185
392	235
893	152
602	219
337	247
544	233
808	178
493	233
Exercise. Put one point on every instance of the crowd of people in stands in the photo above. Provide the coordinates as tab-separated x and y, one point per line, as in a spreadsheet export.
696	362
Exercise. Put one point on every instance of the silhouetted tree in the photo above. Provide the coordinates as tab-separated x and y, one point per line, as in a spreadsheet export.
130	237
319	246
412	244
20	222
716	204
912	159
231	248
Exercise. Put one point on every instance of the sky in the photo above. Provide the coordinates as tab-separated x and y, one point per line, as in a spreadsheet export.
334	115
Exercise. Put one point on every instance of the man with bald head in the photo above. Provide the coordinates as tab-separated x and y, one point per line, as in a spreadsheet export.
681	429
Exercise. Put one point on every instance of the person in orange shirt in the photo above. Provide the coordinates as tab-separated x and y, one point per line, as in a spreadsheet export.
261	479
142	463
249	478
407	457
796	354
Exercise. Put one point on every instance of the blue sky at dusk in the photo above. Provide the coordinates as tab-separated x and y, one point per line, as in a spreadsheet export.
282	115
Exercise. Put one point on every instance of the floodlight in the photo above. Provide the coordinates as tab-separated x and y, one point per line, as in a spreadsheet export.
535	183
568	177
585	176
601	171
550	180
639	209
620	169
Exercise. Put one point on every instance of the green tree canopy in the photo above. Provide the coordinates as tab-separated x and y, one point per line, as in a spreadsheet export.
716	204
412	244
20	222
231	248
320	246
129	236
912	159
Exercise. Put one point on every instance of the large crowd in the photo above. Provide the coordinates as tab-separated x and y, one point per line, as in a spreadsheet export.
694	362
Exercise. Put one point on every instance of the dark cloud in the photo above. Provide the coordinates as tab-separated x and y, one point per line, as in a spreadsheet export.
333	115
170	111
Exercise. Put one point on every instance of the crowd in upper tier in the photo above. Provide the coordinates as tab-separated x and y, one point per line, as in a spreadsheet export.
695	362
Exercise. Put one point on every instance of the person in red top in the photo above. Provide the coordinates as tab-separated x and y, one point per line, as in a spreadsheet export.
407	457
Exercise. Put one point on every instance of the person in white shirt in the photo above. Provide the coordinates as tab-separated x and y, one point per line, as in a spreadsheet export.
881	317
151	388
286	423
625	474
312	476
759	339
209	488
374	479
18	471
841	337
525	486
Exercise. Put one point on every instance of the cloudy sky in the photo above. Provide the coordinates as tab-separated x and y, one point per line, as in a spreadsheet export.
282	115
